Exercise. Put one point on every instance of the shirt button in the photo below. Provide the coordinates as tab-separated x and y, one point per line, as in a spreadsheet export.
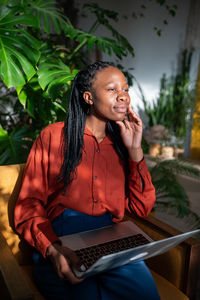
140	169
95	200
97	150
95	177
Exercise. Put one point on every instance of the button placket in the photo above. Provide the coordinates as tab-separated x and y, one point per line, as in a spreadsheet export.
96	150
95	193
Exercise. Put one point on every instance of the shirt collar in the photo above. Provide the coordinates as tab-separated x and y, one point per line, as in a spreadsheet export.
107	139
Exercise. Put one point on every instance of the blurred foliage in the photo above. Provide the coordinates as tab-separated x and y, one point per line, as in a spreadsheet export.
175	100
145	146
170	194
169	9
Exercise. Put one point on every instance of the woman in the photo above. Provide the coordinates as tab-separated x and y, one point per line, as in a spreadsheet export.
82	175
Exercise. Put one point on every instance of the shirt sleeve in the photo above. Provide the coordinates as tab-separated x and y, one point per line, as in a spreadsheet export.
141	196
31	220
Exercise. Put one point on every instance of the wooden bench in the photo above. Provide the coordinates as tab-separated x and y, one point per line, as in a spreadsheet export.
175	272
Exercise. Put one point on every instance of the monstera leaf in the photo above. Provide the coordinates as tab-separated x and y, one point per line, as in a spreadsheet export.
48	16
55	75
19	51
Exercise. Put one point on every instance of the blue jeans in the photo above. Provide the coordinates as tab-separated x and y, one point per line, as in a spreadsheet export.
130	282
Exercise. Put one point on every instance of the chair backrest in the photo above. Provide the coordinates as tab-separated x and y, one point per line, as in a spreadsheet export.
10	184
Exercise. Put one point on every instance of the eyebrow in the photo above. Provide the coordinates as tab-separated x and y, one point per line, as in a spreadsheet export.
114	82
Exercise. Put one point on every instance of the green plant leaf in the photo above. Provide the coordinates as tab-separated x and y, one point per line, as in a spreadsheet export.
91	42
45	78
54	88
59	106
22	97
28	20
16	146
30	107
9	70
52	75
103	43
18	49
103	16
3	134
48	16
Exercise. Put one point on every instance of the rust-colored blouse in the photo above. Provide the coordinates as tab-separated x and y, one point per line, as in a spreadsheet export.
99	186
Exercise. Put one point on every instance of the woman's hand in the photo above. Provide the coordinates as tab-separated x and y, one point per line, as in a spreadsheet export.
131	133
63	258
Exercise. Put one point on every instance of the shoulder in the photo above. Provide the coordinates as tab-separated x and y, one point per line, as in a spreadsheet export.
53	129
52	134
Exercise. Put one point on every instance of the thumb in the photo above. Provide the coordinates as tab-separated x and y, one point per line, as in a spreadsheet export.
73	258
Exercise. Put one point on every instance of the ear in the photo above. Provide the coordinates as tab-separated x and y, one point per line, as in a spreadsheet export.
87	96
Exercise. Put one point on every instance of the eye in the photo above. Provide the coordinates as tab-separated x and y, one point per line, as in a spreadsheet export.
126	90
112	89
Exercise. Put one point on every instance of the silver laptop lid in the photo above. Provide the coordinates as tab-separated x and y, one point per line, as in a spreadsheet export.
118	259
116	231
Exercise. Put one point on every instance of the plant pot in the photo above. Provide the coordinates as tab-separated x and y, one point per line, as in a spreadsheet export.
154	149
178	152
167	152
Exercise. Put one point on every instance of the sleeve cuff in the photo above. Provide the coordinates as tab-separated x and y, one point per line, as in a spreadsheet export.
45	237
138	169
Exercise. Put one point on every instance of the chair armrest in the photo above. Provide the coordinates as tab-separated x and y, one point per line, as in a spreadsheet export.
180	264
12	281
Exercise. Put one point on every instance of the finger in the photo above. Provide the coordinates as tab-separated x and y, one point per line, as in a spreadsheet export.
126	117
72	257
60	274
127	125
121	125
134	117
67	274
75	261
132	112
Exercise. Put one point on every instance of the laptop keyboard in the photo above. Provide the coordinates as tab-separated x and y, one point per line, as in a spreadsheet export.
91	254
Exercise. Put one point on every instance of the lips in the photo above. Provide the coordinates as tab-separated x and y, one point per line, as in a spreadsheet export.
120	109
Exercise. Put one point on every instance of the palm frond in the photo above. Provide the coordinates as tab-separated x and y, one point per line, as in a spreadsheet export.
175	166
170	193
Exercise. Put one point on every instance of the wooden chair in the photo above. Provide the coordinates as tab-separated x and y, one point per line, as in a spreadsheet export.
175	272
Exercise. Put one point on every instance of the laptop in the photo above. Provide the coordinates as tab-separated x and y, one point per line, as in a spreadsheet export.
118	244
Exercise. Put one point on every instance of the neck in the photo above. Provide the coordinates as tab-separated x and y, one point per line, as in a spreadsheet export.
96	126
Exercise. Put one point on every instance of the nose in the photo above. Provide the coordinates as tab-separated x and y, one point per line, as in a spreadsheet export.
123	97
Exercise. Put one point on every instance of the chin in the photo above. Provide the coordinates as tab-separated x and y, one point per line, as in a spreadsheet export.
119	118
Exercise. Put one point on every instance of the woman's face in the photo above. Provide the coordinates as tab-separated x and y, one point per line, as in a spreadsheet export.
109	95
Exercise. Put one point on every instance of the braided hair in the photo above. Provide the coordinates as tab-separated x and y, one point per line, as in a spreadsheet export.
74	127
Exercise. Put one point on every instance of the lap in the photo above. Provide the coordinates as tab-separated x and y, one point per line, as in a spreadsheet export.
129	282
132	281
53	288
